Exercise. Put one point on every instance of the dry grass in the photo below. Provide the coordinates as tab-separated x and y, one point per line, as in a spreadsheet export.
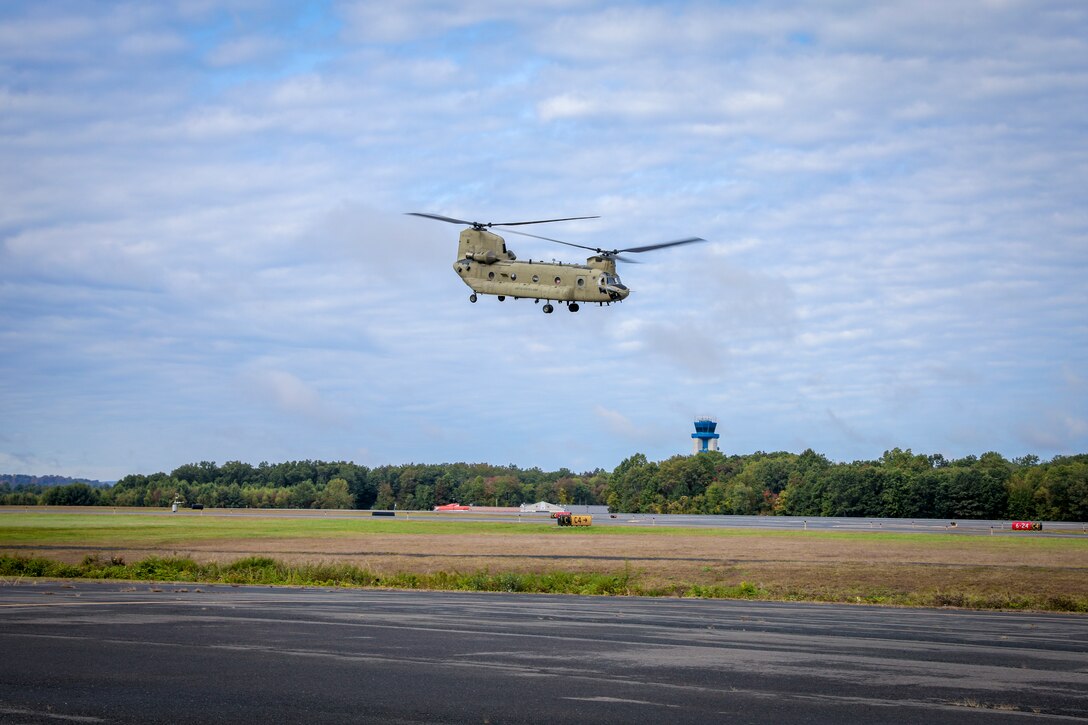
867	568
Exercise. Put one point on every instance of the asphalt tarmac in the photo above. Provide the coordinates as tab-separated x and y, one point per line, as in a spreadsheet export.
89	652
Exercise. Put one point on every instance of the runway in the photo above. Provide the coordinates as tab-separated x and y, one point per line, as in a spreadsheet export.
88	652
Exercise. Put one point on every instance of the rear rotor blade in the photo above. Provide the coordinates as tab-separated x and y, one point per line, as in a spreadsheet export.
542	221
481	225
440	218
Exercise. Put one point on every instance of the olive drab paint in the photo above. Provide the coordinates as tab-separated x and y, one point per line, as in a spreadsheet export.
487	267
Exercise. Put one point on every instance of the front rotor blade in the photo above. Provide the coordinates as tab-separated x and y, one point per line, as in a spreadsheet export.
549	239
662	245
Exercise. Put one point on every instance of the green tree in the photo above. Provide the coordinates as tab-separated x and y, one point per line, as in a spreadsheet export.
384	500
742	496
74	494
472	492
236	472
905	461
303	495
335	495
203	472
424	497
1021	495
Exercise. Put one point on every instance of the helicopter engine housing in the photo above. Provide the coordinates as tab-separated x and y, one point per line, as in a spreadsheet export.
482	246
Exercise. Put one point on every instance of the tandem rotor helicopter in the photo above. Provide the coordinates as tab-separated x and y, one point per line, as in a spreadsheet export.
488	267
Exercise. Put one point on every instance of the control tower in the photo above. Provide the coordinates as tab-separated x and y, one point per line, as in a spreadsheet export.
705	437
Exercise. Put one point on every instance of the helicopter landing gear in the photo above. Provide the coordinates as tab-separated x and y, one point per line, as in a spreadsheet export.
472	297
573	307
548	308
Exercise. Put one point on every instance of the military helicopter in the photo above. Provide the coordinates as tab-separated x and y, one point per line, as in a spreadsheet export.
488	267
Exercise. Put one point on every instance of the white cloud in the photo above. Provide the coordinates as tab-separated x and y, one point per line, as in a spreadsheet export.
155	43
198	196
293	396
244	49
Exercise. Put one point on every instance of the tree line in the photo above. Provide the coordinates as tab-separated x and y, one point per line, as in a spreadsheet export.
320	484
900	484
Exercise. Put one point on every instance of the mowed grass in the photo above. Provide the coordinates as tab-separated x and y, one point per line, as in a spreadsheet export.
152	527
927	569
167	529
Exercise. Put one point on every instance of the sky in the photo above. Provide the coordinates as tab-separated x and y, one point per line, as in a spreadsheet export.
205	253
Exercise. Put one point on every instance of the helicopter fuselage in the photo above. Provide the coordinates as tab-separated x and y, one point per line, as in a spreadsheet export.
488	267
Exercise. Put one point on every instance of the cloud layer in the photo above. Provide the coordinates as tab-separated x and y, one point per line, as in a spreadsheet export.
203	253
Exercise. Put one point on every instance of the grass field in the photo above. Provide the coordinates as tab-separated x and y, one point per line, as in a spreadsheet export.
877	567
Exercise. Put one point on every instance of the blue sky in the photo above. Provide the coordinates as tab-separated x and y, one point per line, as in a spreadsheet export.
204	253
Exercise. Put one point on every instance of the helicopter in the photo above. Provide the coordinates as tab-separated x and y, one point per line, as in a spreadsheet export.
488	267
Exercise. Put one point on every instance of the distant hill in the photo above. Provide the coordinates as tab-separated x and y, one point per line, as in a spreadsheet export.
19	479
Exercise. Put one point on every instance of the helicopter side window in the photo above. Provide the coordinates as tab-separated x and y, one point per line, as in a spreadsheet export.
536	278
557	280
491	275
513	276
581	281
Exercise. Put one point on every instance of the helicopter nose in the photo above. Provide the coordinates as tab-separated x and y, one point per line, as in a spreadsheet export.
618	291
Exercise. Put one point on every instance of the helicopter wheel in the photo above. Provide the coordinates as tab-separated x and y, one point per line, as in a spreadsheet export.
548	309
573	307
502	297
472	297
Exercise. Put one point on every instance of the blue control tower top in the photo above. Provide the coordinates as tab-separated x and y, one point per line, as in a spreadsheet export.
705	437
